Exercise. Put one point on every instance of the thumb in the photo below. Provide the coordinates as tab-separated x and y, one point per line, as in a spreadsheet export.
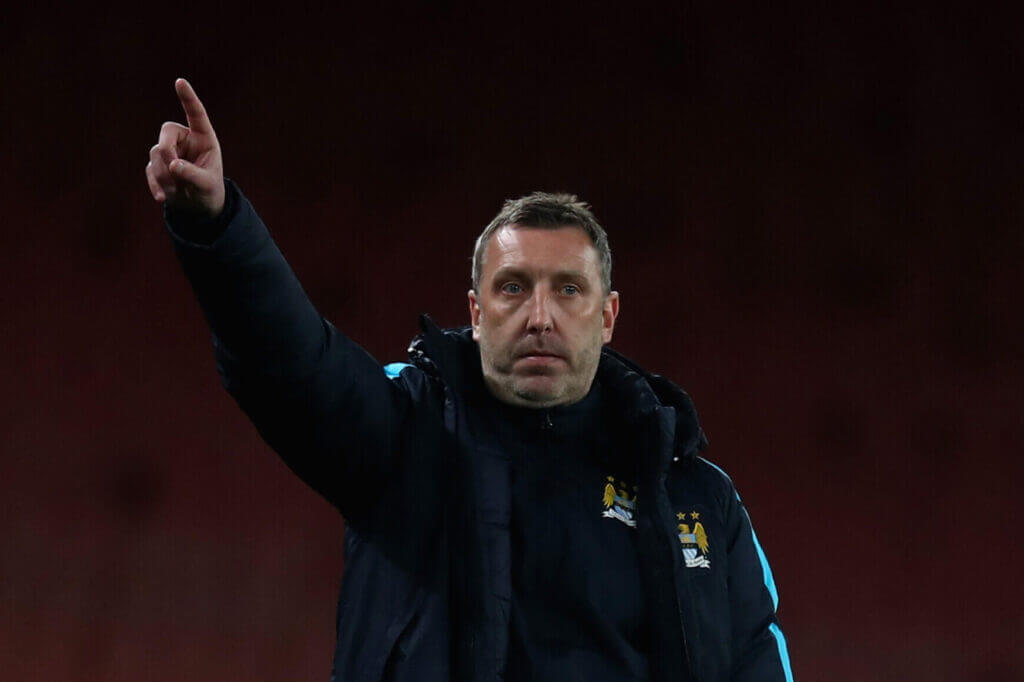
190	173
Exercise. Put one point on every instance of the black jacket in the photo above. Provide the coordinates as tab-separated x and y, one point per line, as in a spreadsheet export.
402	454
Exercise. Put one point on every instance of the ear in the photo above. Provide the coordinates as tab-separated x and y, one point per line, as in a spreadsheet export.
474	314
609	313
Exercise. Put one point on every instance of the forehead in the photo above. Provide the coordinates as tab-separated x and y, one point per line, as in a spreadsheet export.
541	250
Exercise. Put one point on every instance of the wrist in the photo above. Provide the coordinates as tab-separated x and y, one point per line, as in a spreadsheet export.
203	227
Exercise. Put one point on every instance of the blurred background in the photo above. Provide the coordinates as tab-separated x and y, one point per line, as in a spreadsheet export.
815	214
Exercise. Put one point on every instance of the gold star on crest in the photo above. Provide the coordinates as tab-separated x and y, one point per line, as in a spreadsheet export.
694	515
680	516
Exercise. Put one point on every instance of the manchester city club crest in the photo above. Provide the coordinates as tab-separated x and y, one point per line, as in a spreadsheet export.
694	540
618	504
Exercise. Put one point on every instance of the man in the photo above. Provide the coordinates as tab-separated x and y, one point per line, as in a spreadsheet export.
521	502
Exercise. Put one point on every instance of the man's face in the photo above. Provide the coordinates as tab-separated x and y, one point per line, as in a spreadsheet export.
541	315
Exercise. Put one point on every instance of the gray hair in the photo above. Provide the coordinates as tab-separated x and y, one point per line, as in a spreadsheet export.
548	211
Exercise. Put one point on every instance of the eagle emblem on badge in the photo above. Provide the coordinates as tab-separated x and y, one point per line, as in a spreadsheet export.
694	540
618	504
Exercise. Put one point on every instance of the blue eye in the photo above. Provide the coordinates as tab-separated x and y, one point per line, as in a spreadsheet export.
570	290
511	288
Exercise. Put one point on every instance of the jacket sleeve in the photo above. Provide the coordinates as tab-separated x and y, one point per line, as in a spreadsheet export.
758	645
318	399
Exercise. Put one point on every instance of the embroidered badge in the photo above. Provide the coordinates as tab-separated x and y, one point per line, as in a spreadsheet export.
617	502
694	541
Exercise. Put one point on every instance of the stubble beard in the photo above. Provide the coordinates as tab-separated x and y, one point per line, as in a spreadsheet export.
569	386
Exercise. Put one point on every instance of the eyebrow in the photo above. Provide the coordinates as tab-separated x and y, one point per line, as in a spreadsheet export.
514	271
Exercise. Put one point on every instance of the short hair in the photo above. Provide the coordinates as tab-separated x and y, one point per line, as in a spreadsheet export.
547	211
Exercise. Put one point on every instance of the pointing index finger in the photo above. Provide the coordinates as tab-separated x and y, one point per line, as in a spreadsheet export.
195	113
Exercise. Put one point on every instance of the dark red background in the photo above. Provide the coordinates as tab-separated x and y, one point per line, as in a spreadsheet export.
816	220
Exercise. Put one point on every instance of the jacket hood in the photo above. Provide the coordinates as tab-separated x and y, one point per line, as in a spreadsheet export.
452	355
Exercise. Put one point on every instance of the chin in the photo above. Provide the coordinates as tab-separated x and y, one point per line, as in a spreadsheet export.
535	391
541	394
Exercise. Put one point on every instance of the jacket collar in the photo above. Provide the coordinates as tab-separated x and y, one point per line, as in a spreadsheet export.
453	356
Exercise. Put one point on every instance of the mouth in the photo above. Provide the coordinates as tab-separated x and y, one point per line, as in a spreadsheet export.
539	358
538	354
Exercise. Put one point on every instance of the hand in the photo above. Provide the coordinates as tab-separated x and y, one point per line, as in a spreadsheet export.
185	168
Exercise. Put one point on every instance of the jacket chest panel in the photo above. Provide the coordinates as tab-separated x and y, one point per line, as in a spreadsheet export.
491	476
701	542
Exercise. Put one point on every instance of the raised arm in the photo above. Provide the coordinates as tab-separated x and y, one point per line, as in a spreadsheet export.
317	398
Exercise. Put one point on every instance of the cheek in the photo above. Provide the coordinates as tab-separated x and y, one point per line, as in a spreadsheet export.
590	335
489	333
497	320
590	321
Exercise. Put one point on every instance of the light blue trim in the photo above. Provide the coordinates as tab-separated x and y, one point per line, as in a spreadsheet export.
721	471
766	570
393	369
780	641
769	581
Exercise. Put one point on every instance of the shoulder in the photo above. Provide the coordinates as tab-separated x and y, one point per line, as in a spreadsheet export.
421	386
701	480
715	478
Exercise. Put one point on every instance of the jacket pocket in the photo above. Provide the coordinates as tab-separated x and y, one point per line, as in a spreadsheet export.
420	651
393	650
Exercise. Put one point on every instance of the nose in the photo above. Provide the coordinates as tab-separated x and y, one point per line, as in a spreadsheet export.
539	321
